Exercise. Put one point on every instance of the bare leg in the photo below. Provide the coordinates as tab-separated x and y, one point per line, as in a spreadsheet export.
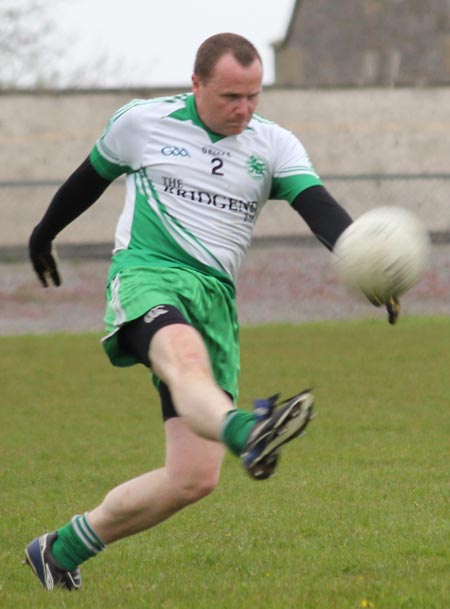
180	359
191	472
194	454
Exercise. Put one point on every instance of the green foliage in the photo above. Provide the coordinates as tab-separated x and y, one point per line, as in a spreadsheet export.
358	515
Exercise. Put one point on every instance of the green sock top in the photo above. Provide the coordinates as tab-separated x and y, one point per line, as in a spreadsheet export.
76	543
236	429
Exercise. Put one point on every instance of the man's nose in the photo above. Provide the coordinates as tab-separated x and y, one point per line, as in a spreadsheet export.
242	106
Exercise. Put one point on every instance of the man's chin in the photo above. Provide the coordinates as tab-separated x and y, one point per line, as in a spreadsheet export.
236	129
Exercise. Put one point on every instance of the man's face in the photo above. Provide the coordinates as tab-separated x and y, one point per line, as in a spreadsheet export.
227	101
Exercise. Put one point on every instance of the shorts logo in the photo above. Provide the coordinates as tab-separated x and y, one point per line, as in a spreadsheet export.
174	151
154	313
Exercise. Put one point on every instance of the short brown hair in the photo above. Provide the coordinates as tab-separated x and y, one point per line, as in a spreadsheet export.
214	47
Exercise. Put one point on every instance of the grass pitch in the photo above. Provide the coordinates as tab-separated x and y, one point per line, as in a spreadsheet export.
357	517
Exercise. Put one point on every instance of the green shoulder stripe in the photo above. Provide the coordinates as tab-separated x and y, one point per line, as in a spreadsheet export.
289	187
108	170
261	119
172	99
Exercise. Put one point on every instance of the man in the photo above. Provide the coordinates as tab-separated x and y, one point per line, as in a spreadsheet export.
199	168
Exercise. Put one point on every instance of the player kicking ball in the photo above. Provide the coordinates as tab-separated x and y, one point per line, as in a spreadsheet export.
199	167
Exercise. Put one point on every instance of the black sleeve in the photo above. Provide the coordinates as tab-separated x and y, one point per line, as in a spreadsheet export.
322	213
75	196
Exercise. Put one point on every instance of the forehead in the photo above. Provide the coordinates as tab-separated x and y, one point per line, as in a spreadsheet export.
229	74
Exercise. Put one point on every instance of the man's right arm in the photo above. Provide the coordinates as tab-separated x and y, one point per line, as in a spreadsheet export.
75	196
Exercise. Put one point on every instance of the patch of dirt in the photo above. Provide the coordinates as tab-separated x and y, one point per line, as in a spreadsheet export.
278	283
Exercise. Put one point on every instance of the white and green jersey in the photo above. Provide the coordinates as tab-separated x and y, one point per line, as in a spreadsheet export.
193	196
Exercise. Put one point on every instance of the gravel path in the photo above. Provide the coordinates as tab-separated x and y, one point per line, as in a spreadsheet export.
278	283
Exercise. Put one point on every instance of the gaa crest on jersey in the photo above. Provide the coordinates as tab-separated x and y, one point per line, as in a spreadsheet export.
175	151
256	167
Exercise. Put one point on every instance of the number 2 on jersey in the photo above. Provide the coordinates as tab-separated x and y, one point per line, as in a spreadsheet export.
217	166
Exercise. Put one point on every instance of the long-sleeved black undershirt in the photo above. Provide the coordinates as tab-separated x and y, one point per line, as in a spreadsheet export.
322	213
75	196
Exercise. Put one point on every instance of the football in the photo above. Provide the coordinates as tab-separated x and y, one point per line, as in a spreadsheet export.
383	253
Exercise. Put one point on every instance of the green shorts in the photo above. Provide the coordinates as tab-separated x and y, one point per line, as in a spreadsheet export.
206	302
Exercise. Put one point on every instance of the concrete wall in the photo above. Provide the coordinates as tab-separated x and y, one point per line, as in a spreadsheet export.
352	137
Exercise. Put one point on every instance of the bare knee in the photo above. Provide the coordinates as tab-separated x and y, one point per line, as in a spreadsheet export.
195	486
192	464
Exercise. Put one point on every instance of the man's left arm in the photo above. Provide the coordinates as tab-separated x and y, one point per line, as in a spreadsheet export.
322	213
327	220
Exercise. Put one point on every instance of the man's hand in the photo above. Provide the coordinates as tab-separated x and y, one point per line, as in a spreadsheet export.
393	309
43	258
392	305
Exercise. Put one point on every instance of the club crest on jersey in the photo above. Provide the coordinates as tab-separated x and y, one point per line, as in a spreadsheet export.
256	167
154	313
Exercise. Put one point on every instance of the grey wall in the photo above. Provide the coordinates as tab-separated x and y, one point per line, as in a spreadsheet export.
353	136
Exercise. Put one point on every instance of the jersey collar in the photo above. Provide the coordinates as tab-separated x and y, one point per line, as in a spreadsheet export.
189	113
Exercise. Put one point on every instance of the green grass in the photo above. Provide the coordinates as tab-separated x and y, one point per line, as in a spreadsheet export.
358	515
